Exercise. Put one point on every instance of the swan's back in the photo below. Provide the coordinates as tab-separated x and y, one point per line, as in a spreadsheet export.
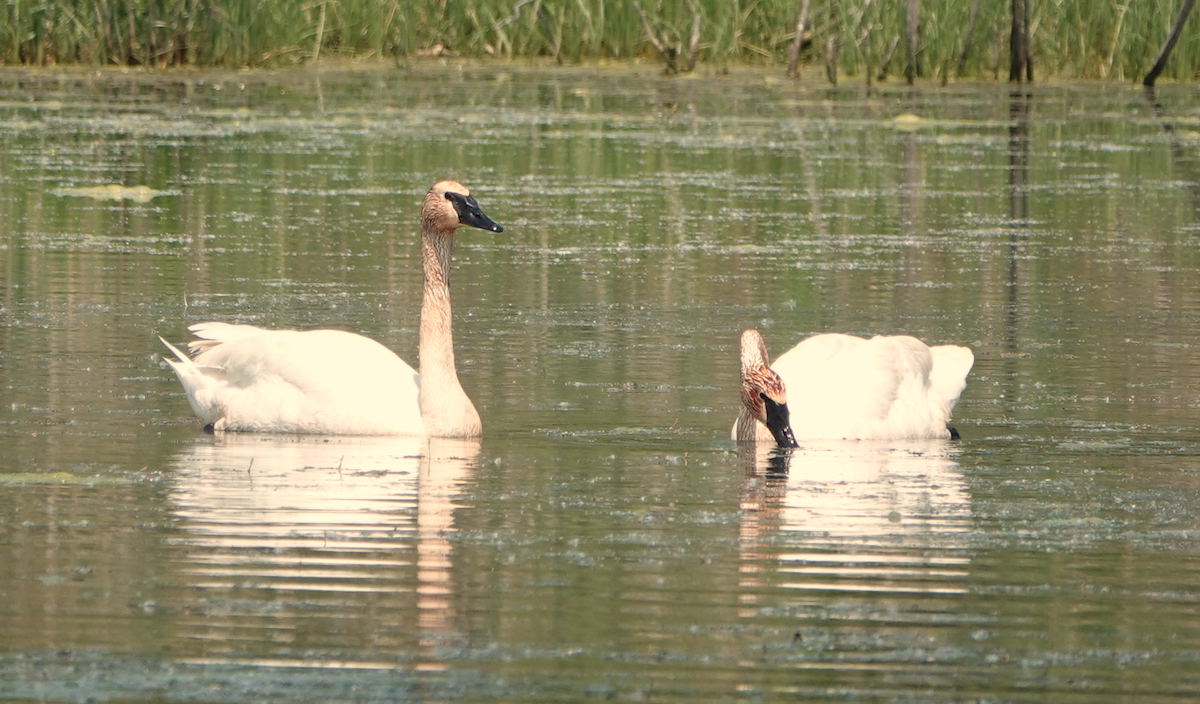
318	381
842	386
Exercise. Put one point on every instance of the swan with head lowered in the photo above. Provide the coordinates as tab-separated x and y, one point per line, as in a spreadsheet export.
245	378
833	387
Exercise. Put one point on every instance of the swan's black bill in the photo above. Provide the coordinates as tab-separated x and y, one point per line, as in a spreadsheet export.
470	214
779	423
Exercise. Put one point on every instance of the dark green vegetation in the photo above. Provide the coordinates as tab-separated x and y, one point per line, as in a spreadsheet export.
967	38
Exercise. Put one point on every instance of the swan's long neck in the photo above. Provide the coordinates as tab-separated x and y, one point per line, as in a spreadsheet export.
445	408
747	427
753	356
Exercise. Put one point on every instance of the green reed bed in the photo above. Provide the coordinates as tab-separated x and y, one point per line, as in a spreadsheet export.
1073	38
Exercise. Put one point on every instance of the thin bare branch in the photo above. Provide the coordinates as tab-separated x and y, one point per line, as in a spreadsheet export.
694	47
793	70
861	15
966	47
667	54
831	59
1016	43
887	58
516	14
1161	61
912	38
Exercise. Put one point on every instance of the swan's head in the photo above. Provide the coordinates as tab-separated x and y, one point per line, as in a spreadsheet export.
449	205
763	393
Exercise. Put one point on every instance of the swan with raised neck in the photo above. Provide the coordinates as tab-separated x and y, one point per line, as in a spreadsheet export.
445	408
245	378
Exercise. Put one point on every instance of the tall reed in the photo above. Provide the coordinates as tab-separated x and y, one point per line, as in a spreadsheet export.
1075	38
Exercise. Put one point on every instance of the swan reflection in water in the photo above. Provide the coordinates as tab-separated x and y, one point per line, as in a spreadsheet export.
301	548
853	518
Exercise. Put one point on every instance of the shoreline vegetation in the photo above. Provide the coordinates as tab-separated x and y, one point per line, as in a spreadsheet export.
853	40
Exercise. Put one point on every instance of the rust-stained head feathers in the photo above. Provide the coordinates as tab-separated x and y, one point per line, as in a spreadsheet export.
449	205
763	393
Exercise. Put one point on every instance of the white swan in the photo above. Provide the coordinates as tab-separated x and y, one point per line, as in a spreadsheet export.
245	378
845	387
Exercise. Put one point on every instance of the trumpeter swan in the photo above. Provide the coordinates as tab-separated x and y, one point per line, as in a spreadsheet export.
245	378
846	387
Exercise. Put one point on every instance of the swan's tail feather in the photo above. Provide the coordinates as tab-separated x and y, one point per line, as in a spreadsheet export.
951	364
185	367
183	358
197	381
214	334
198	346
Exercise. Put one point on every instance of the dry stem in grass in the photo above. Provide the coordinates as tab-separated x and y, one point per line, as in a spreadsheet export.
669	54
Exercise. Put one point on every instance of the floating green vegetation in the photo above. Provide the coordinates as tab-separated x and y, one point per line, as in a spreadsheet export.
907	122
137	194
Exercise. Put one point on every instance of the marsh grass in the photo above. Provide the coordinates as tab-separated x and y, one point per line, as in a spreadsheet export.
1071	38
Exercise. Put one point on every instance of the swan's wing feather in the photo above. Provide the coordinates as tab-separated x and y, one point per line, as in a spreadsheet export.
225	332
840	386
813	352
828	390
324	381
870	382
328	379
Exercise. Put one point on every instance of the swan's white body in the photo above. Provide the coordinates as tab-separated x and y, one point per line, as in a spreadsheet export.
287	381
846	387
245	378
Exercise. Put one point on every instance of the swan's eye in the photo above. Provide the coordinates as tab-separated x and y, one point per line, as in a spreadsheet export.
763	396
